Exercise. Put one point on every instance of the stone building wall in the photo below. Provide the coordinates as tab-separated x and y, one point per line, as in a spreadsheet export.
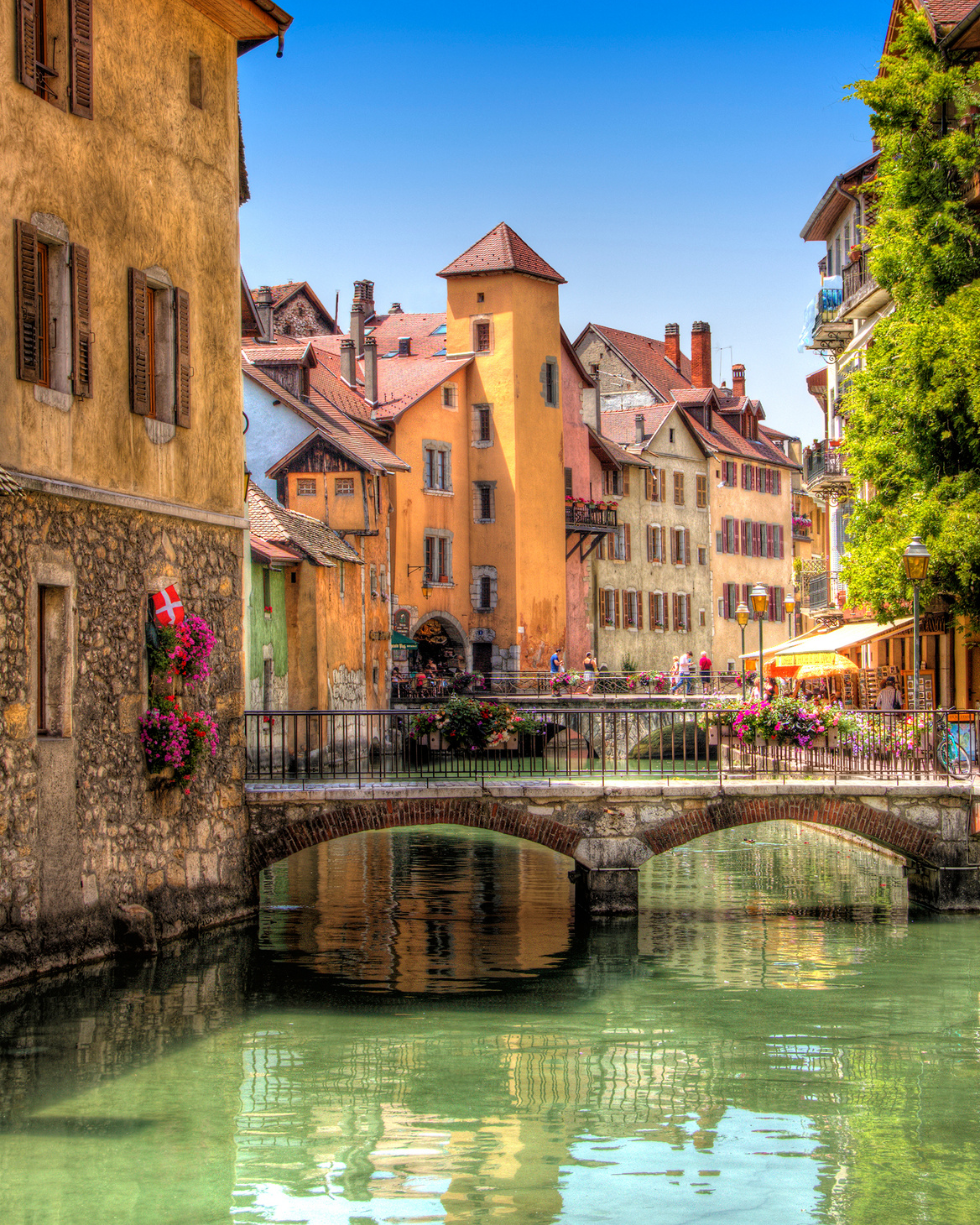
81	832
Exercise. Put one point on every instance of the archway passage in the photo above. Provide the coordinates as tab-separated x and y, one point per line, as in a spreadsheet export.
276	836
893	833
440	642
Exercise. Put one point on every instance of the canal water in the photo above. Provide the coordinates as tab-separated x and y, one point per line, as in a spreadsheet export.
420	1031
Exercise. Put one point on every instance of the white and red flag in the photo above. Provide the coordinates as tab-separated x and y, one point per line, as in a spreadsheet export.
167	606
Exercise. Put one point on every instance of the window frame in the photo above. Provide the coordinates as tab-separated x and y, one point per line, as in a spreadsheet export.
437	473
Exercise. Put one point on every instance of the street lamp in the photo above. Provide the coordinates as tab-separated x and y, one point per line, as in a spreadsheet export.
759	596
915	559
742	617
789	603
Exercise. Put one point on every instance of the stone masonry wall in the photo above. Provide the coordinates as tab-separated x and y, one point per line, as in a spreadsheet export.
80	830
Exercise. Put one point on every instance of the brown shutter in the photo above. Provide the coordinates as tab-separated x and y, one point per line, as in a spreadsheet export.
653	611
616	608
639	610
139	345
687	547
626	481
81	322
80	37
627	552
182	362
28	355
27	44
663	484
673	604
648	484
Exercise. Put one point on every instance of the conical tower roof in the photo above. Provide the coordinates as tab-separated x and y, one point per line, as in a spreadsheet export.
501	251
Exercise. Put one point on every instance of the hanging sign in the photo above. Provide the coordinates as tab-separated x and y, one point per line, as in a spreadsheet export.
167	606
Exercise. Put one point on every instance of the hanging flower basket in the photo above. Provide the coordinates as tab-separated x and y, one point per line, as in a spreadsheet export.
183	652
176	742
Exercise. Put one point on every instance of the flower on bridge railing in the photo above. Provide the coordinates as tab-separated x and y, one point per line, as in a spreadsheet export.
468	725
787	721
562	682
659	682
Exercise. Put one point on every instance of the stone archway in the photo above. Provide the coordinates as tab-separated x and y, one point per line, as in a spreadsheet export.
445	626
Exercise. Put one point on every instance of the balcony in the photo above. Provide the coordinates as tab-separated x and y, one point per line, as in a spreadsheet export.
596	516
863	296
823	329
825	471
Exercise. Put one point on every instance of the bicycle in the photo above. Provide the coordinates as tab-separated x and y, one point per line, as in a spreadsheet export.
950	754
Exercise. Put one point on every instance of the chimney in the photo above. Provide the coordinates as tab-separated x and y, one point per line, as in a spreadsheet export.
357	327
371	371
404	346
700	354
672	344
639	427
263	308
348	364
738	380
364	297
395	309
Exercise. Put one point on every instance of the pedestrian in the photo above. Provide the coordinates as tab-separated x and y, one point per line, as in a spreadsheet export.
556	664
888	696
704	663
590	666
683	677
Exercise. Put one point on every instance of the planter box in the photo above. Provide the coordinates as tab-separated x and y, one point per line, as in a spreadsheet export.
829	740
713	734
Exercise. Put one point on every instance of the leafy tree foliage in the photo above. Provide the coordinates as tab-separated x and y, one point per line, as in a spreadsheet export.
913	414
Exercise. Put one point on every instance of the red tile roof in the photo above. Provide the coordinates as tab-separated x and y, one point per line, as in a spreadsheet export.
284	352
619	424
301	533
265	551
501	251
647	356
387	330
948	12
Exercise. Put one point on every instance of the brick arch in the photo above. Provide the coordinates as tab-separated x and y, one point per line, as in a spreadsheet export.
893	833
280	836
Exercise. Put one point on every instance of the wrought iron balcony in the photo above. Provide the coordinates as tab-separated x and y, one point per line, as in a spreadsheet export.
825	471
581	514
862	293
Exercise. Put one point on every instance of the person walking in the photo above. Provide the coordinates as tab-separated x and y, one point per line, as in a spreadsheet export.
590	666
556	664
704	663
683	673
888	696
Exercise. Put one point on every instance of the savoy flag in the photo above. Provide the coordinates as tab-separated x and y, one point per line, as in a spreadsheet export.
167	607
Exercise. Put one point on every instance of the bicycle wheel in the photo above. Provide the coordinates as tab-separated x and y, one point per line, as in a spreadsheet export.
953	760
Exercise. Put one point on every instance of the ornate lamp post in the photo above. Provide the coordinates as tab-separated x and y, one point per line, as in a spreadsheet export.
759	596
789	603
915	559
742	617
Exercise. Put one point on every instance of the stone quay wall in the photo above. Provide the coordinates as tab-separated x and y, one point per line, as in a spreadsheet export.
82	831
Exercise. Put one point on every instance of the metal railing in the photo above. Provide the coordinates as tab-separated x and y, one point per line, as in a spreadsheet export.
824	460
582	515
657	741
537	685
857	279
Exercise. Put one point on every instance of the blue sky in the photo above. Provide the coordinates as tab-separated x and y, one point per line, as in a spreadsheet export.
662	157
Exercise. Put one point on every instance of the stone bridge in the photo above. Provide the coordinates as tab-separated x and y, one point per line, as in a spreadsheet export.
610	831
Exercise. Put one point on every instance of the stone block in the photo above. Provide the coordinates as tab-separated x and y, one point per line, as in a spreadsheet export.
624	853
90	890
16	719
129	708
924	815
209	868
154	880
192	869
954	826
230	705
176	876
877	802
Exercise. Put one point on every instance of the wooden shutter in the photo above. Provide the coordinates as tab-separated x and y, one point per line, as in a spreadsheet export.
627	552
28	351
719	543
182	358
777	481
80	38
81	322
746	476
673	545
648	484
27	44
687	547
639	610
649	544
139	345
616	607
653	611
626	481
673	603
663	485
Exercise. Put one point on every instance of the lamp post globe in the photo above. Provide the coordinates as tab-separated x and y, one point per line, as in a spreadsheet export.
759	595
789	603
915	561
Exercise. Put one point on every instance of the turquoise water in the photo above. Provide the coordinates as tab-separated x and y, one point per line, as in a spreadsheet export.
421	1031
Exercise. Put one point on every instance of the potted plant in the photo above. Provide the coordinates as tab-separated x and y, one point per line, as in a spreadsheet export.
176	742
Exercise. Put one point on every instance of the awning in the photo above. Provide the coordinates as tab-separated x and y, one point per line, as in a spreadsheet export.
402	640
834	640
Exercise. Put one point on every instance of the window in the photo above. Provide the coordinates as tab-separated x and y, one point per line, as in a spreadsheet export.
670	434
438	557
483	501
306	486
343	487
54	338
195	81
481	336
436	474
650	485
160	358
680	546
483	588
702	618
678	488
342	579
449	395
479	297
484	592
482	425
682	612
729	476
549	382
702	492
655	544
609	606
621	543
702	557
383	584
658	605
612	483
630	609
44	29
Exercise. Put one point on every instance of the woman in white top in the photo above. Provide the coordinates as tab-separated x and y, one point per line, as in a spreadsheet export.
888	696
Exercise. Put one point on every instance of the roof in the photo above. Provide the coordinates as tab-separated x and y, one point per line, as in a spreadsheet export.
264	551
583	374
250	21
277	525
822	222
281	294
333	425
840	639
501	251
619	424
251	323
387	330
281	353
648	357
8	484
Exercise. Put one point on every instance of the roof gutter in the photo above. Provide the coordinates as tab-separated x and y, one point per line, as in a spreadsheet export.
957	32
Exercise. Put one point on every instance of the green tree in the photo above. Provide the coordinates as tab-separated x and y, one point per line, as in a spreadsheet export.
913	414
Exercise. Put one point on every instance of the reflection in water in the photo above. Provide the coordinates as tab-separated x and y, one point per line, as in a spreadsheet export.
425	1034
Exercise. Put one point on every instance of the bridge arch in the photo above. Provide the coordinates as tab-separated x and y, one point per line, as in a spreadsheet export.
885	829
280	831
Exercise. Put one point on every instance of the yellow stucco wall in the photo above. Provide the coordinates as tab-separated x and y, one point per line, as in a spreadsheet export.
150	181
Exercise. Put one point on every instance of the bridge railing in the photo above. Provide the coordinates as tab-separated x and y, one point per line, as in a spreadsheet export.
555	741
539	685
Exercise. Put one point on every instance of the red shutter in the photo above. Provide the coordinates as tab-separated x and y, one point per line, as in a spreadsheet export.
28	355
139	345
777	481
627	551
182	363
735	540
81	322
80	38
616	608
772	603
780	546
639	610
746	476
745	537
745	595
27	45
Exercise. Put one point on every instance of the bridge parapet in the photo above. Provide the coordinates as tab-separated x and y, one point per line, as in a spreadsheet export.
611	830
